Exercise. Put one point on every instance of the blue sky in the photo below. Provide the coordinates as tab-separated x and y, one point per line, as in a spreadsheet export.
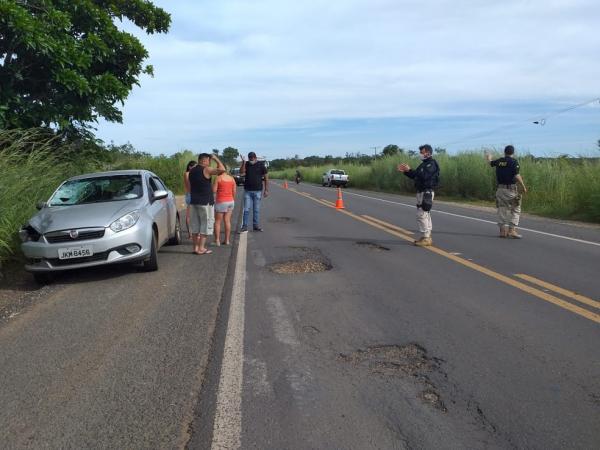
329	77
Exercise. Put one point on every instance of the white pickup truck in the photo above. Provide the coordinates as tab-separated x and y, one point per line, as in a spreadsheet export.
335	177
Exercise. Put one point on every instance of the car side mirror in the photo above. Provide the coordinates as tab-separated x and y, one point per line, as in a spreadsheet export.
40	205
159	195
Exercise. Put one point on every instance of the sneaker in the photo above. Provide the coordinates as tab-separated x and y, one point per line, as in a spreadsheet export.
244	229
258	229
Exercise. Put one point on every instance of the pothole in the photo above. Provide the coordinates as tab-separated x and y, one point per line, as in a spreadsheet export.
432	398
308	260
405	361
371	246
282	220
302	266
409	359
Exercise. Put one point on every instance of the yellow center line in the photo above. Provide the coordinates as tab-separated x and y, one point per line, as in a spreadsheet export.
387	224
481	269
551	287
328	202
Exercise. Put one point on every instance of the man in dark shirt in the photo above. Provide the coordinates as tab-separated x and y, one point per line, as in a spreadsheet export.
426	178
508	198
256	185
202	215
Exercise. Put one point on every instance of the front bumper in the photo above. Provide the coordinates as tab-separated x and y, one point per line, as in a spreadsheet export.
110	249
339	182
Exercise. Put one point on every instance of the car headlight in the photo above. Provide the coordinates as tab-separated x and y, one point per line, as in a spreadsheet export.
28	233
125	222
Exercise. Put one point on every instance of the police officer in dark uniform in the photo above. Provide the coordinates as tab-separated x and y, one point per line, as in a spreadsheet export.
508	198
426	178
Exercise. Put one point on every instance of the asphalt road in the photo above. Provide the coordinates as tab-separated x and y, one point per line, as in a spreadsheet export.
403	347
478	342
112	357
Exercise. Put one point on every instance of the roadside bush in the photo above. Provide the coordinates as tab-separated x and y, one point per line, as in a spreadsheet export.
558	187
33	163
29	172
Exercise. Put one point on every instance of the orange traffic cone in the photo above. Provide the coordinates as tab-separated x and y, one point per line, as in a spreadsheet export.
285	185
339	203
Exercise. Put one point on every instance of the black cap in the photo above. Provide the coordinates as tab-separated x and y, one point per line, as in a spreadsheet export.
251	155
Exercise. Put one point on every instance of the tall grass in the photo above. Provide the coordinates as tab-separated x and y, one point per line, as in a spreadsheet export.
561	187
169	168
33	164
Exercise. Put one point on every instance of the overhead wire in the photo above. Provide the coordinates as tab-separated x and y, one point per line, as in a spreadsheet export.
537	120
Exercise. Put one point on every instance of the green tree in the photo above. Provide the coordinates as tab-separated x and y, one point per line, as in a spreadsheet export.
65	64
230	155
440	150
391	150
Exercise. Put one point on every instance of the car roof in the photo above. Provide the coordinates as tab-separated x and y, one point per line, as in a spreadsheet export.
111	173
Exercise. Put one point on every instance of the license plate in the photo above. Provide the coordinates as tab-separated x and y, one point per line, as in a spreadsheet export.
75	252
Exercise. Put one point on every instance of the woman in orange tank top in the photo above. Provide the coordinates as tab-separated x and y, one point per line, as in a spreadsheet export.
224	188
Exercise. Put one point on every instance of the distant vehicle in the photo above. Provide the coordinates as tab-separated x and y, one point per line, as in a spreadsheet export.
239	178
264	160
101	218
335	177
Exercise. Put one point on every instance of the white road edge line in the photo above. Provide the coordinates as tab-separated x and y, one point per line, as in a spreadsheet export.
437	211
227	428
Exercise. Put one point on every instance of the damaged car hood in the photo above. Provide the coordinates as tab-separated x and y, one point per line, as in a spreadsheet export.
91	215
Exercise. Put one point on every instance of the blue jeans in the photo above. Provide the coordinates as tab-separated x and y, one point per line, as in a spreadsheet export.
252	199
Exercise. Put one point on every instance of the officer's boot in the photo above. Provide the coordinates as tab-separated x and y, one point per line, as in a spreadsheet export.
424	242
503	231
512	233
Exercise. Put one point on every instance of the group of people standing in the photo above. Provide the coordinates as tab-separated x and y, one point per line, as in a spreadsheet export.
210	195
508	196
210	198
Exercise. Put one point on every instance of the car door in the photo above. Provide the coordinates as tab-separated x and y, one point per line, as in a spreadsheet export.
158	210
171	205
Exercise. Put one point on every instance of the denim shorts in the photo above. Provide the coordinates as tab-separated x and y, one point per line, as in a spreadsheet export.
188	198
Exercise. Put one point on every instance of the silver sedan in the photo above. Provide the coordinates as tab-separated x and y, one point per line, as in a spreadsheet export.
101	218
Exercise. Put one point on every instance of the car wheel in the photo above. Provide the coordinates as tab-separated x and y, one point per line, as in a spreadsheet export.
43	278
151	264
176	239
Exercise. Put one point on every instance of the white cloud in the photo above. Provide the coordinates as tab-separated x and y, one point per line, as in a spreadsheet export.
234	65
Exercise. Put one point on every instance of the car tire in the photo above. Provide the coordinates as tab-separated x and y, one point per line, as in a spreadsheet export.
43	278
176	238
151	264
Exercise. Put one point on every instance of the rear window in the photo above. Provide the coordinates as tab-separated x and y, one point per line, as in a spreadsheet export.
338	172
98	189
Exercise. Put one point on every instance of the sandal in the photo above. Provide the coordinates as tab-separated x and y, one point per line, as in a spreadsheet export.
205	252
